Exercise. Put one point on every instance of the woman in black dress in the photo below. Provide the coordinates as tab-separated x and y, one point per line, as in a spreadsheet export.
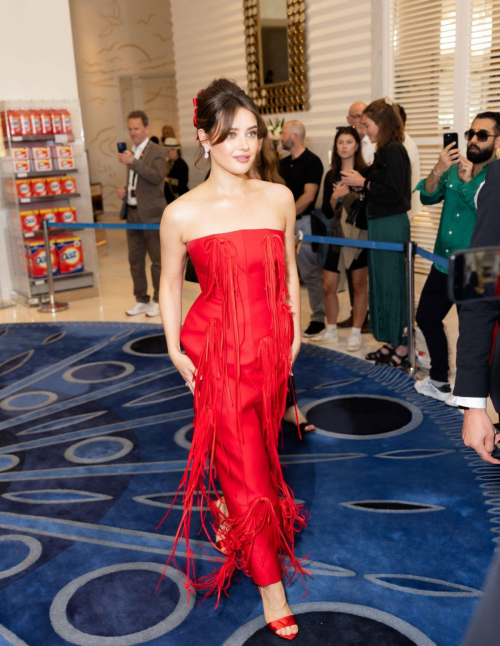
177	177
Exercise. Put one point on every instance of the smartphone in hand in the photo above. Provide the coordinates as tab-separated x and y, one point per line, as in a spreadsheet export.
450	137
122	146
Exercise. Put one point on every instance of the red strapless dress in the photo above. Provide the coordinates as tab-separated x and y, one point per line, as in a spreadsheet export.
238	334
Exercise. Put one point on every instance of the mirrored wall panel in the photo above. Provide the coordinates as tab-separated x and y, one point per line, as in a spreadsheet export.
275	33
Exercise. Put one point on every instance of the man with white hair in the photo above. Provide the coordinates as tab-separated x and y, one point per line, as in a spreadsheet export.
354	119
302	171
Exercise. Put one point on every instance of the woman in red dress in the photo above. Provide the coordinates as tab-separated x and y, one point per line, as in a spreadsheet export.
241	338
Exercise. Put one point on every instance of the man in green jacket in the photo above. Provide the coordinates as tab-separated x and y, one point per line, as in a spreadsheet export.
455	180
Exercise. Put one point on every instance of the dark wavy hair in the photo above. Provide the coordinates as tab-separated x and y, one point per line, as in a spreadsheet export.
217	106
389	122
359	162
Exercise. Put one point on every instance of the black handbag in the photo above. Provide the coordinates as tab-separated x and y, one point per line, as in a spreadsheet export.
357	214
190	274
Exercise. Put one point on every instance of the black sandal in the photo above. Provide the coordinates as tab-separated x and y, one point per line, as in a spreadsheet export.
303	426
402	364
379	355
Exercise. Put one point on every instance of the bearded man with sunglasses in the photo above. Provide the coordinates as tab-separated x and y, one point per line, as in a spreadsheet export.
454	180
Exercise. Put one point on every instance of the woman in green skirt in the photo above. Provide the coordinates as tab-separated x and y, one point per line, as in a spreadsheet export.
387	185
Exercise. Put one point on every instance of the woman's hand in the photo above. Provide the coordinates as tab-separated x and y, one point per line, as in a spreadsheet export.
186	368
340	190
352	178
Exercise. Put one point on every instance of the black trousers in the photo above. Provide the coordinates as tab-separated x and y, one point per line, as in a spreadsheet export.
432	309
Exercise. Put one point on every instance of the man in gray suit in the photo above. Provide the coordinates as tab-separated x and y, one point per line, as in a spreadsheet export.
143	202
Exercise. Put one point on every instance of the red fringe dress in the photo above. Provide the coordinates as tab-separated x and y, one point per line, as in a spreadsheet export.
238	334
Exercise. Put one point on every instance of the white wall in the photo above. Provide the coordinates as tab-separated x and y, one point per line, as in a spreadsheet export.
119	44
36	50
339	57
36	62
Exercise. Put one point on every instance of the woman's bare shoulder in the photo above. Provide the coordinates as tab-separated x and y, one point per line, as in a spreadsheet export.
276	192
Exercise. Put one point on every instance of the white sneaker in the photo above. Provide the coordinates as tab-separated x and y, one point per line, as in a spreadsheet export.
153	309
451	400
139	308
354	342
427	388
327	336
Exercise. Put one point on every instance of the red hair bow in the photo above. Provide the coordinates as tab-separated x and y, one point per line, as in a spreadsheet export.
195	115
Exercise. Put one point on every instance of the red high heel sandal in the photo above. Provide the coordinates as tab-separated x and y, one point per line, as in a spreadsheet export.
274	626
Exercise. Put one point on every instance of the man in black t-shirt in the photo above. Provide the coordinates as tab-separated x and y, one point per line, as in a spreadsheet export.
302	172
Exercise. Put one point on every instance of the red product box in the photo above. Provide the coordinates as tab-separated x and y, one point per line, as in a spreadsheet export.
69	254
37	258
38	187
23	188
25	123
14	120
36	122
21	153
68	163
47	214
66	215
22	166
57	122
41	152
64	151
68	184
30	221
43	165
54	185
66	119
46	118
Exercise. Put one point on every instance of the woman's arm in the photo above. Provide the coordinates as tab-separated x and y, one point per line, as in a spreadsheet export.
173	260
292	276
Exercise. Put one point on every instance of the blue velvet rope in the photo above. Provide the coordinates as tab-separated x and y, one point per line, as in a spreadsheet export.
343	242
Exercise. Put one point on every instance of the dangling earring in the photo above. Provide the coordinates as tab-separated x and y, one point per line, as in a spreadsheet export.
206	152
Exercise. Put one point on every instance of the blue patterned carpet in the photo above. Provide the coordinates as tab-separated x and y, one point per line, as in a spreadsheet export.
95	427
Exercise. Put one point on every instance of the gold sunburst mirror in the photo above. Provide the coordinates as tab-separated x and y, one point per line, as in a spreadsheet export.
275	34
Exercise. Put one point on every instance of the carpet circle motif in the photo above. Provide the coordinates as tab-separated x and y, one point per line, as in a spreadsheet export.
28	401
153	345
98	371
34	552
8	462
341	623
132	606
98	450
362	417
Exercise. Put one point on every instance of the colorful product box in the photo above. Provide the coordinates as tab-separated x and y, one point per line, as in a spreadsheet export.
37	258
48	214
66	163
63	152
30	221
23	188
38	187
68	184
66	215
69	254
41	152
22	166
54	185
21	153
43	165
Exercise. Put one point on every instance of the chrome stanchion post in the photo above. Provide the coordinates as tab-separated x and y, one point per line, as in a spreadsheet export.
52	306
410	291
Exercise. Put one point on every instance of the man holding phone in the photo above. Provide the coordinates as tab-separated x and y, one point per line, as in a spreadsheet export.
454	180
143	203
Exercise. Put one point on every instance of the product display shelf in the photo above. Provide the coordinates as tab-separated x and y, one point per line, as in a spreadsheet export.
26	289
48	173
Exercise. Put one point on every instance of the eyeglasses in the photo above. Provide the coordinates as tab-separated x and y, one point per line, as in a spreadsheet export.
346	128
482	135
